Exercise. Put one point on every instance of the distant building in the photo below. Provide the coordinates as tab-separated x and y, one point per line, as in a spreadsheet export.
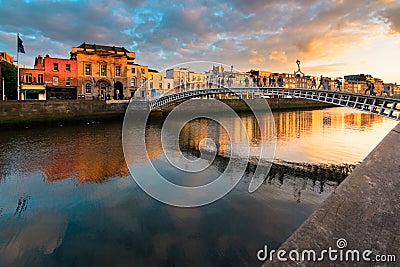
137	75
157	84
219	77
32	86
4	56
60	76
358	83
107	71
185	79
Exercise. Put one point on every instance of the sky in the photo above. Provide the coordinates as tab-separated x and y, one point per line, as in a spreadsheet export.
332	38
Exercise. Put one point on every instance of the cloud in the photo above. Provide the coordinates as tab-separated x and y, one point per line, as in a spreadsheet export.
256	58
278	55
393	18
234	32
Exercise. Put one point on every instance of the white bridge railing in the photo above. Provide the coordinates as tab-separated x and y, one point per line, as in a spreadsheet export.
383	106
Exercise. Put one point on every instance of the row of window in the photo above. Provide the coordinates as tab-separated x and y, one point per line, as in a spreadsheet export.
40	80
160	85
88	88
28	78
103	70
67	81
67	67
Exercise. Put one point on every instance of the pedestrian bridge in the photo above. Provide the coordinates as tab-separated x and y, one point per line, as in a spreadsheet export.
382	106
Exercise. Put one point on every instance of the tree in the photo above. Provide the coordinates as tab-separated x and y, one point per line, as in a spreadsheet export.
9	73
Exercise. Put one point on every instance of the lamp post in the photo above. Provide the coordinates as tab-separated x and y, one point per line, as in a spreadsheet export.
2	88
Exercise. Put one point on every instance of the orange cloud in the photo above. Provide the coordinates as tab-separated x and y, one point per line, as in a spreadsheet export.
256	58
278	56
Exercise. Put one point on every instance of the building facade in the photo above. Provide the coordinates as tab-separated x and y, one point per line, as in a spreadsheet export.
107	72
219	77
4	56
185	79
32	86
359	83
60	77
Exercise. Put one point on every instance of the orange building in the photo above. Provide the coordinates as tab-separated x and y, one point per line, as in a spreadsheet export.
4	56
107	72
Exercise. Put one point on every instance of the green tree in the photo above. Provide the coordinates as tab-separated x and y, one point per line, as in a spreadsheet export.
9	73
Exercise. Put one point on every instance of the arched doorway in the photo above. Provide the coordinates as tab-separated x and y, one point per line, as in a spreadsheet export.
104	88
118	91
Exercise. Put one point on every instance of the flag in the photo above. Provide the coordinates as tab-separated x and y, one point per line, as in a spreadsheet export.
21	48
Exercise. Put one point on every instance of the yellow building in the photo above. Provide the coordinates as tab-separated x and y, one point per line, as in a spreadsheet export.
107	71
185	79
157	85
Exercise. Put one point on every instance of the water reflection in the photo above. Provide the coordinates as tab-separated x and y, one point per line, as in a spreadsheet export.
87	153
93	153
66	198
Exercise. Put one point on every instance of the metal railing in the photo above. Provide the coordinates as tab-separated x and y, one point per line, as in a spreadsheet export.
379	105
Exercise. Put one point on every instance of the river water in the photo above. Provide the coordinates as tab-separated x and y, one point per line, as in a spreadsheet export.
67	198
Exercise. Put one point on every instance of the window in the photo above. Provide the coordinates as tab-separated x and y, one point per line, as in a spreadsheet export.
55	81
28	77
88	88
68	81
151	84
55	66
143	71
103	70
160	85
88	69
133	82
68	67
133	70
169	86
118	70
40	78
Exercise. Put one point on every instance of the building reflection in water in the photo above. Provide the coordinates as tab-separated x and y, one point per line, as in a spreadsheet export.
93	153
293	128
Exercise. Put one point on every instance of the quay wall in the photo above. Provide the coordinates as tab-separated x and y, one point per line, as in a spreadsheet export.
364	211
14	113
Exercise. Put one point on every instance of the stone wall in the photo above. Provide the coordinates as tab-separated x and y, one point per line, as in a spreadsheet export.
58	111
22	112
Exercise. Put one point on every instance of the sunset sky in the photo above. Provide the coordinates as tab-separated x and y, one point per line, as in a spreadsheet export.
332	38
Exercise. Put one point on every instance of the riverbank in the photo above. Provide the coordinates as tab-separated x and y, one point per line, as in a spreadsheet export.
17	114
361	214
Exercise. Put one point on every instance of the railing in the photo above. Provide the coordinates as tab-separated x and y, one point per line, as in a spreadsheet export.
383	106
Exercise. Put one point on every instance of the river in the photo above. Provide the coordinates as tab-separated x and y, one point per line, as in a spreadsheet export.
67	198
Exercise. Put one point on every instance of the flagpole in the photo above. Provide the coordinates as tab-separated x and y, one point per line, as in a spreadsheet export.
17	67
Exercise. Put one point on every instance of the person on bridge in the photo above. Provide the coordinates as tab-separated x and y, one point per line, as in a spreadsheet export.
273	82
280	81
313	83
370	88
321	81
338	84
386	89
